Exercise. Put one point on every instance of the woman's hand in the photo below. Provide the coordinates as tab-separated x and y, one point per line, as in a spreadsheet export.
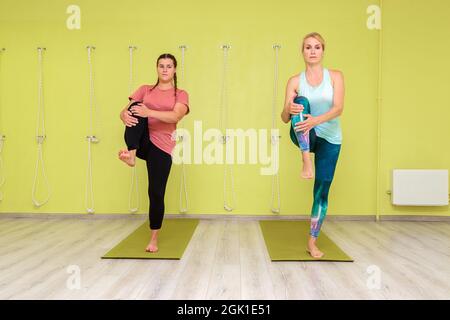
307	125
295	108
140	110
127	118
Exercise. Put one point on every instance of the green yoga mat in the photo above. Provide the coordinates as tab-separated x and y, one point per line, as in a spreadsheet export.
286	241
173	239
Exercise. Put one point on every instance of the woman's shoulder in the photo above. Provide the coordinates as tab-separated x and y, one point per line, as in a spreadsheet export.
146	86
336	76
179	90
294	79
334	73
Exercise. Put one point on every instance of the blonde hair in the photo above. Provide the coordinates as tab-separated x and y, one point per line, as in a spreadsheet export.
316	36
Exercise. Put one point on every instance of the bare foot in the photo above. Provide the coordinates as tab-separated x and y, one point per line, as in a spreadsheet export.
152	246
313	250
128	157
307	172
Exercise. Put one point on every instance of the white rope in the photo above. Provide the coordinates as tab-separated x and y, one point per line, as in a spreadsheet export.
89	192
91	138
228	172
130	80
2	139
2	177
134	189
40	137
275	139
183	208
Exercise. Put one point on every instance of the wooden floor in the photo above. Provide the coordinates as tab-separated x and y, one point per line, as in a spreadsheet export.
225	259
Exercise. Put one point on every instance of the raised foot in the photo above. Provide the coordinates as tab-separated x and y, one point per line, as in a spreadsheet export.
127	157
307	173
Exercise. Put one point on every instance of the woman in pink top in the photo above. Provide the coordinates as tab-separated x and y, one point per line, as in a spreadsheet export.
150	119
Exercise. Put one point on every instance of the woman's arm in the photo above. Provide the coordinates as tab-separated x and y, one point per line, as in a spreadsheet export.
289	106
178	112
126	116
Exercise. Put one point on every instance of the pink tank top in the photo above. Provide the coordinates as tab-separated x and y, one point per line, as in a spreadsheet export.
161	100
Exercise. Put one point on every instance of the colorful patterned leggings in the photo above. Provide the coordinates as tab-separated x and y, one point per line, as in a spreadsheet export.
325	160
300	139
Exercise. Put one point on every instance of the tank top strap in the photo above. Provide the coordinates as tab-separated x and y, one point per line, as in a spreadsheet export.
326	76
301	82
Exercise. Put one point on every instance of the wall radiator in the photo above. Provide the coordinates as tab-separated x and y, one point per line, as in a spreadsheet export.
420	187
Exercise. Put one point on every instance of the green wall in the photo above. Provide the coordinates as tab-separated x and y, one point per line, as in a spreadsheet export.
415	111
414	46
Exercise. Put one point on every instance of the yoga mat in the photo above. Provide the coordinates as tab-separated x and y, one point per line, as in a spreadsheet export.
173	239
286	241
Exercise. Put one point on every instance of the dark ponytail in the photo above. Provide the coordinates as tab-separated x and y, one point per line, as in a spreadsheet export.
175	81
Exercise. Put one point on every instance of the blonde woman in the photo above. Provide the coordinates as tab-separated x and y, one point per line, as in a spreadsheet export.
320	132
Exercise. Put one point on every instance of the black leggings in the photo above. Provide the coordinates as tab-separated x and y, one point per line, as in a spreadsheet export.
158	168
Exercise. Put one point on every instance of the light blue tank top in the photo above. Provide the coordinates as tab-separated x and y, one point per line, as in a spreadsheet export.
321	100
